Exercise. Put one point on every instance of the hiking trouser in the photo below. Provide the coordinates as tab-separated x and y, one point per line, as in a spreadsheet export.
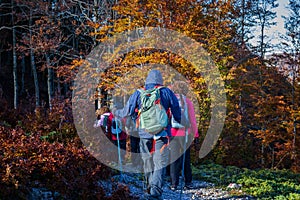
154	163
176	148
135	148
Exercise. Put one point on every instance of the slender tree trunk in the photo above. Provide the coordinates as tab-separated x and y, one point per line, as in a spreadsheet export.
49	81
73	41
15	77
262	49
294	71
33	66
95	17
273	158
262	155
23	75
115	12
243	23
1	59
35	79
58	87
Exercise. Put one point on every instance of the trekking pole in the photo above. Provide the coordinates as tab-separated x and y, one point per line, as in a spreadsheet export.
183	160
119	150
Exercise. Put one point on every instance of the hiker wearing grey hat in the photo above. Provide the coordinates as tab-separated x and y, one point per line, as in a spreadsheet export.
153	145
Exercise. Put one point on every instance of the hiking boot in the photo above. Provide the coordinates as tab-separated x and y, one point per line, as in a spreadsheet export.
148	190
173	187
188	186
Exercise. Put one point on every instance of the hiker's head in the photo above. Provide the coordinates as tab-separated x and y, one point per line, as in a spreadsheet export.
180	87
104	109
154	77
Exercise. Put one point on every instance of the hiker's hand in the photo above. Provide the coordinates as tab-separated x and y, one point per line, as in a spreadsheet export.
197	144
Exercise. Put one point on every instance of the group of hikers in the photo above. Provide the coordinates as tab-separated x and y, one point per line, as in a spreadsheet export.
161	123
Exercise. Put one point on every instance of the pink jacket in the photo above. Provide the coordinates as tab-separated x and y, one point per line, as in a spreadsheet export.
193	128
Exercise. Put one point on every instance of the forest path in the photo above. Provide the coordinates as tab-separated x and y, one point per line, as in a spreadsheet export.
202	189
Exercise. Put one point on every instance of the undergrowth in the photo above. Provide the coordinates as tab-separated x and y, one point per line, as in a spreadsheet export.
260	183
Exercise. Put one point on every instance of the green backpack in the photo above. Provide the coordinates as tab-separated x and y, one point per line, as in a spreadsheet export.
152	116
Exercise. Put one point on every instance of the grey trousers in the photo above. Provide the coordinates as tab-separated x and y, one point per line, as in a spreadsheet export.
154	163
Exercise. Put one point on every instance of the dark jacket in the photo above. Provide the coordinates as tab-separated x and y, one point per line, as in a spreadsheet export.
168	101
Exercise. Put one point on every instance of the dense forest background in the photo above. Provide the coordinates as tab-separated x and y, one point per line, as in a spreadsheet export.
44	42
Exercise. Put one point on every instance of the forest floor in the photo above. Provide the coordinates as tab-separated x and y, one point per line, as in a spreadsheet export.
202	189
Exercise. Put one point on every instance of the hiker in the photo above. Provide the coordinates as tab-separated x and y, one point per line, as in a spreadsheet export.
178	144
111	127
154	159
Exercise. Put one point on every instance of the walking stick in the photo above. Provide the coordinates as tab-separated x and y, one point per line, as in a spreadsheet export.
119	151
183	160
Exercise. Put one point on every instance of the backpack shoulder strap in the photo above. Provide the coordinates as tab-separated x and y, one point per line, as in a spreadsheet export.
159	87
182	103
185	106
141	89
183	99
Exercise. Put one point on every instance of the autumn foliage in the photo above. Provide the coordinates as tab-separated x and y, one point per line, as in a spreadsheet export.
45	43
261	124
35	154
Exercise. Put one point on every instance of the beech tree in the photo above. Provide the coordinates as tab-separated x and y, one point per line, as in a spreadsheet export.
207	23
52	39
264	16
8	40
292	54
14	57
52	34
243	16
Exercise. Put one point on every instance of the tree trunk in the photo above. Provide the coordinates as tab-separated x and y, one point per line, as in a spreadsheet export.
15	77
294	74
1	58
35	79
58	87
23	75
49	81
262	155
262	42
33	67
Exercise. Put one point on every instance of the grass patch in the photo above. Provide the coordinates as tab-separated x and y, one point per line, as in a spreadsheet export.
261	183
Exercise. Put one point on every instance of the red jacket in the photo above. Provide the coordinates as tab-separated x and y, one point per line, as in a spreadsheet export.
99	123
